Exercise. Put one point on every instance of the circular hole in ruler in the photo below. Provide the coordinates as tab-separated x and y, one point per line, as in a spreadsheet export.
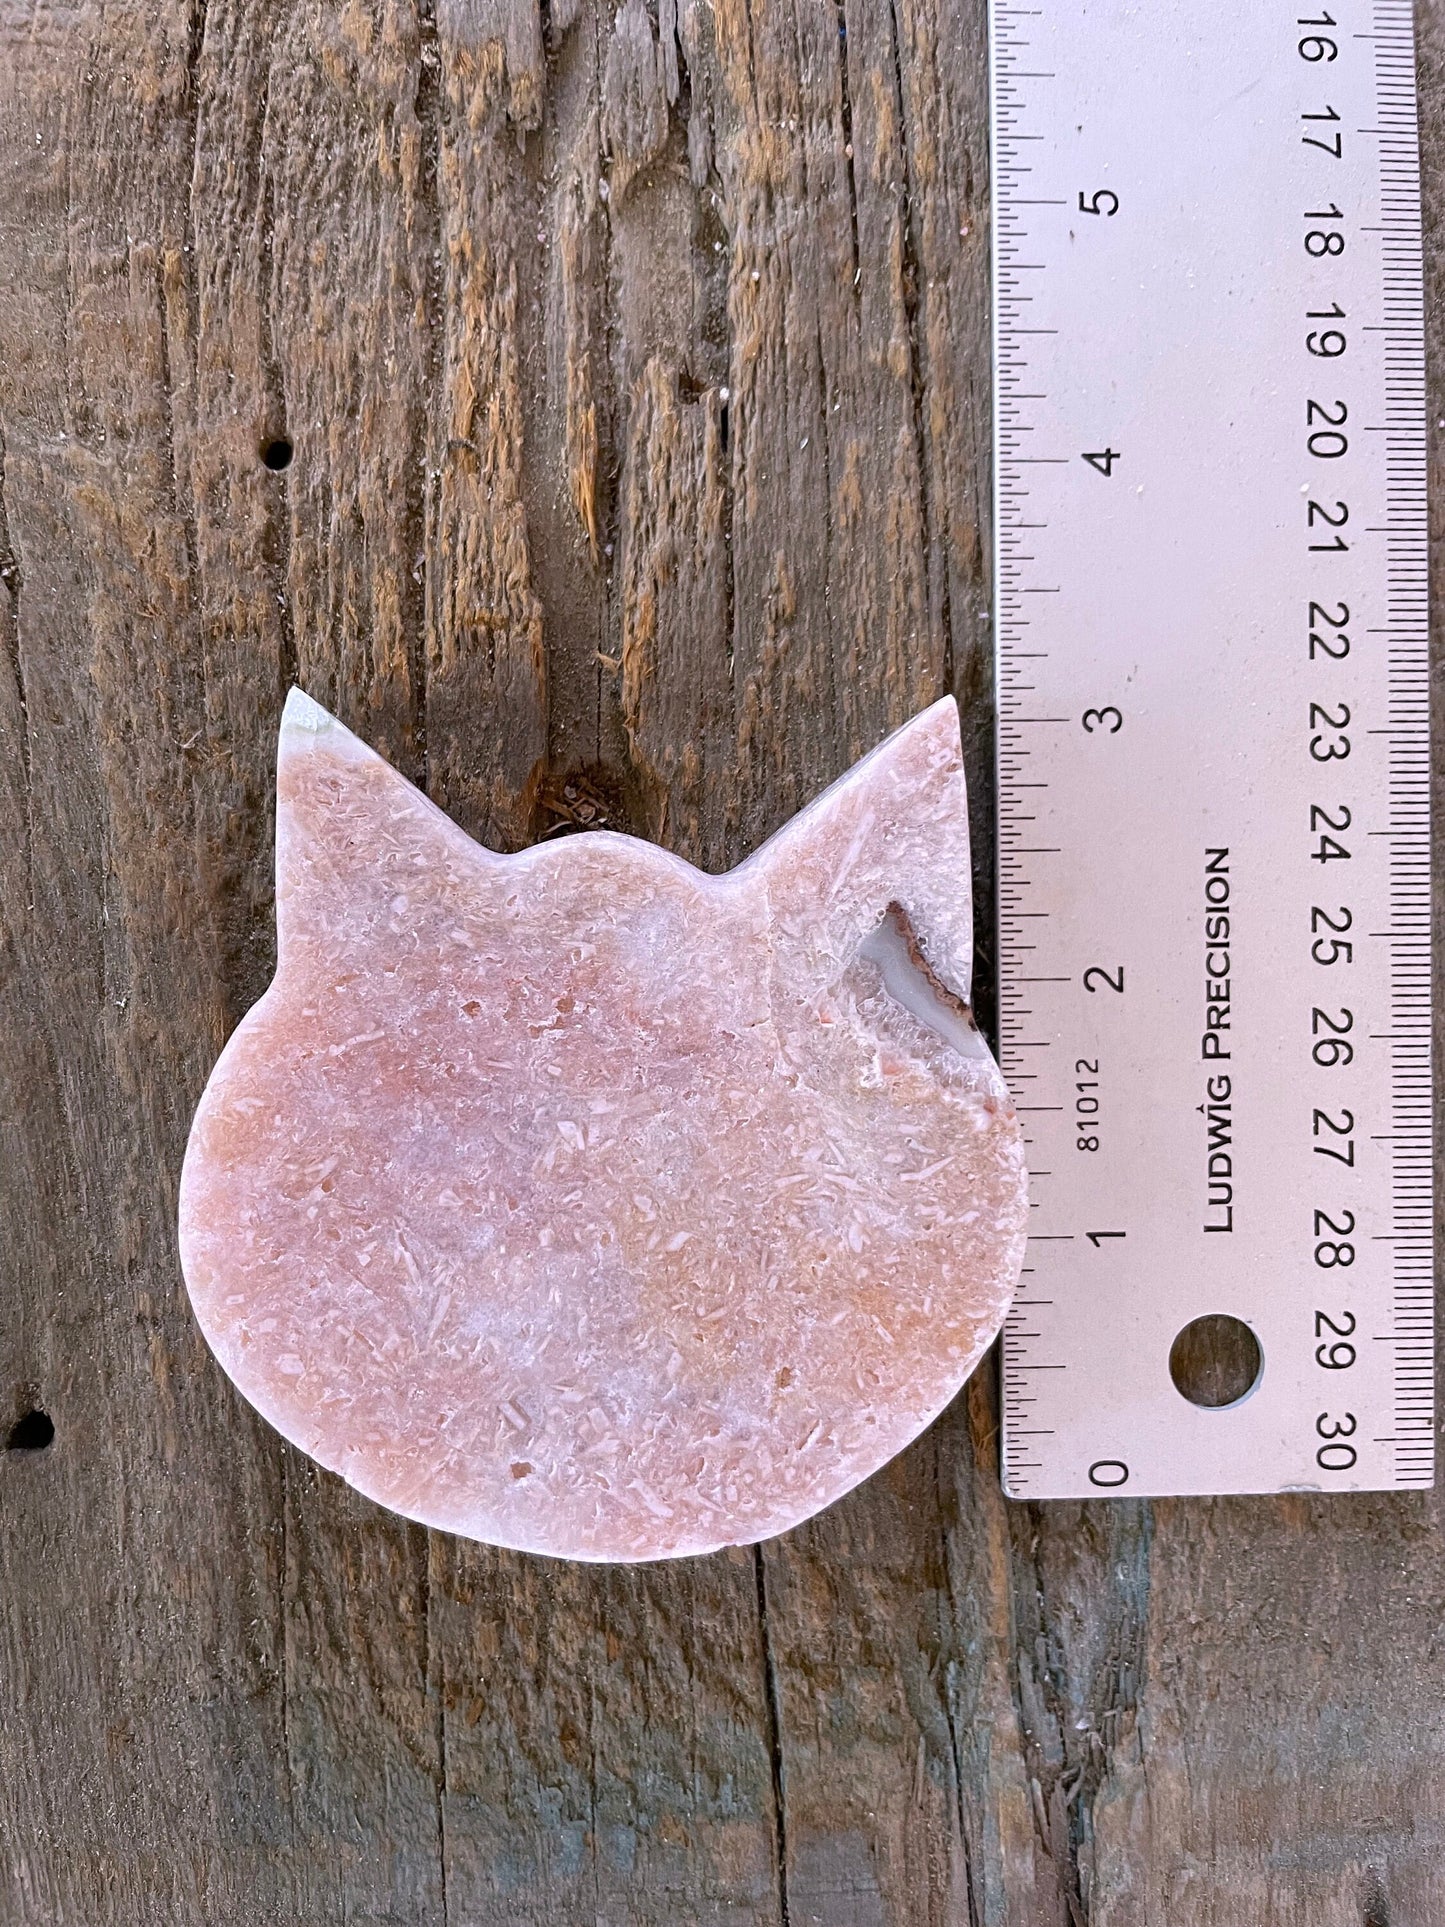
1215	1361
277	454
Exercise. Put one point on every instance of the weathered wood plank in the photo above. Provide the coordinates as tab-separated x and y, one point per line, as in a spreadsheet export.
112	970
604	1757
634	363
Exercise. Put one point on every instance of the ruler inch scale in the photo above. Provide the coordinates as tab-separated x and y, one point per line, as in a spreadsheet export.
1213	739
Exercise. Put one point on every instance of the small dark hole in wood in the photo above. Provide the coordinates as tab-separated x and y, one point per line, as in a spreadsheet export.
30	1433
1215	1360
277	454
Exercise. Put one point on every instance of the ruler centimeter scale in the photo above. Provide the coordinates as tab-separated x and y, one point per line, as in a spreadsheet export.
1213	738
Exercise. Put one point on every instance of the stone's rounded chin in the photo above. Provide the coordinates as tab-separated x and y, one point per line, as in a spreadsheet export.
692	1544
556	1523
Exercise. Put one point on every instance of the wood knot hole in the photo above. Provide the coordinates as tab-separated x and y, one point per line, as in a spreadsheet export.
31	1432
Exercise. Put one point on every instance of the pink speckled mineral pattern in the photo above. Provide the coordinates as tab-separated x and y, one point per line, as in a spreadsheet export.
581	1202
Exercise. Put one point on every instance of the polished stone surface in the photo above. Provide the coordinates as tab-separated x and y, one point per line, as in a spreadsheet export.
582	1202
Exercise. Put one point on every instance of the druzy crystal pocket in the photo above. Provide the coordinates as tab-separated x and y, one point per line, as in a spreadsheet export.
582	1202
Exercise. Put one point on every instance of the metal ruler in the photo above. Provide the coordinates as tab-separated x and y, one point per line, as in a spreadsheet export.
1213	741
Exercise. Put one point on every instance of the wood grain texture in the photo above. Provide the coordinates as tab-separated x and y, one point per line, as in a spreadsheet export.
634	360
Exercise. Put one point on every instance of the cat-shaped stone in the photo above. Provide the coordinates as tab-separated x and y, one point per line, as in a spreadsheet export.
581	1202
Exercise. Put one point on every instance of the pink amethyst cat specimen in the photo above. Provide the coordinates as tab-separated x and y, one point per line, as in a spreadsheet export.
581	1202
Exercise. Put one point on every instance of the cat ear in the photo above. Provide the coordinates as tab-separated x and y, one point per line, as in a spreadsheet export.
357	846
892	831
